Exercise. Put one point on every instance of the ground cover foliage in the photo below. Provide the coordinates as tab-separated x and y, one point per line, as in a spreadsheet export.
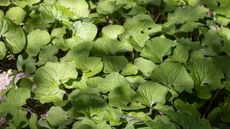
115	64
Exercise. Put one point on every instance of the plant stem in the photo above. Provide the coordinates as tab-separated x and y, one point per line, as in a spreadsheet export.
205	115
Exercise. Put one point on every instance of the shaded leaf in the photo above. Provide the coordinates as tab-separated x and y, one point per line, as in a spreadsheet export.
26	64
88	101
121	97
205	72
114	63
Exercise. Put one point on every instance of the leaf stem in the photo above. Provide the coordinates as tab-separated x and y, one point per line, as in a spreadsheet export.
205	115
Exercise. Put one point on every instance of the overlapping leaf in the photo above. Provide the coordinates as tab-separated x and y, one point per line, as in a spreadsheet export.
111	64
155	49
14	36
49	77
173	75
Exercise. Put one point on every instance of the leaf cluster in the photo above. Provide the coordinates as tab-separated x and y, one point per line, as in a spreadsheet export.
116	64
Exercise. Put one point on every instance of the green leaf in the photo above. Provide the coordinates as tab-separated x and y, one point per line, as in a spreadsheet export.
193	2
129	69
144	26
106	6
15	39
225	117
114	63
88	101
189	27
162	107
56	116
33	121
79	56
106	46
1	13
65	71
142	22
138	117
187	107
44	124
19	119
222	20
14	100
206	74
138	9
131	126
173	75
214	115
181	53
3	50
61	43
121	96
4	24
150	93
34	45
135	81
94	66
109	114
156	48
103	125
114	80
16	14
161	122
220	113
14	35
47	54
84	124
58	32
79	7
78	52
35	22
49	77
23	3
17	97
187	120
4	2
144	65
223	9
213	40
85	30
187	14
26	64
50	13
224	32
223	62
112	31
202	53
